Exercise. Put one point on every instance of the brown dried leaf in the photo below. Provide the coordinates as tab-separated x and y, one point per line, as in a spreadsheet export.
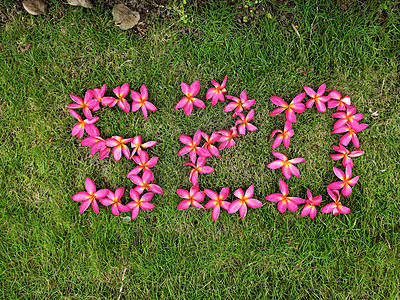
83	3
34	7
125	18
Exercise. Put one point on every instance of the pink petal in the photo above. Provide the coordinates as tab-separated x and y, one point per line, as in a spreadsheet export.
310	92
306	210
296	160
294	170
215	212
347	190
235	206
185	88
254	203
181	103
135	212
292	206
321	90
290	116
85	204
156	189
339	173
188	108
81	196
278	101
147	205
183	205
277	141
284	188
95	206
211	194
243	211
90	186
328	208
282	205
198	103
320	106
224	193
194	88
286	172
276	197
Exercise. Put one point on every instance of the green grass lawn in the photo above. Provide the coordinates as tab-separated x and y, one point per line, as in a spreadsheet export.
49	251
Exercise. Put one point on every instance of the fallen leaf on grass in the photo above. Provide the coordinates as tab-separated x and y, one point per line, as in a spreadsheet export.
34	7
83	3
125	18
295	30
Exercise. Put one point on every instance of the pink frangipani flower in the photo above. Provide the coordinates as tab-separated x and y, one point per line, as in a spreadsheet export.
143	164
349	118
243	122
140	101
226	138
121	93
87	103
311	202
294	106
346	181
217	93
139	202
198	168
317	98
90	196
137	145
96	143
337	101
83	125
118	144
209	143
284	135
239	104
192	197
217	201
144	183
286	165
335	206
115	201
189	100
193	146
245	199
350	135
283	200
98	96
345	154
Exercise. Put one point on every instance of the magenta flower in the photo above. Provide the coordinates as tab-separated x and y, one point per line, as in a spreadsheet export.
294	106
243	122
286	165
140	101
193	146
144	183
226	138
143	164
217	93
115	201
189	100
338	102
345	154
87	103
346	181
121	93
349	118
217	201
284	135
350	135
198	168
83	125
139	202
245	199
239	104
137	145
311	202
96	143
283	200
335	206
90	196
209	143
98	97
118	144
191	198
317	98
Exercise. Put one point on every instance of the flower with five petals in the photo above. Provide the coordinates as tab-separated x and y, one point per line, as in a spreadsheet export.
346	181
283	200
87	103
350	134
337	101
137	145
345	154
226	138
118	144
198	168
193	146
115	201
144	183
141	101
121	92
217	201
215	136
189	100
311	202
217	92
90	196
192	197
243	122
98	96
239	104
317	98
335	206
139	202
143	164
245	199
284	135
286	165
83	125
294	106
349	118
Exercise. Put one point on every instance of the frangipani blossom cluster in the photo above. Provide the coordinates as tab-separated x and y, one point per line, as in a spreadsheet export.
198	151
120	146
348	123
